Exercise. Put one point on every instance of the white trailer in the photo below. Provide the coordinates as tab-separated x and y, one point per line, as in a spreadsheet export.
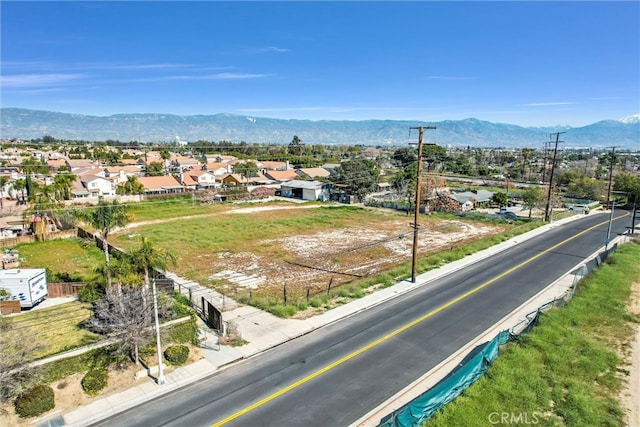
28	285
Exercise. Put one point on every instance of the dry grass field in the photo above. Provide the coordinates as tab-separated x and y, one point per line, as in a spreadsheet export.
263	248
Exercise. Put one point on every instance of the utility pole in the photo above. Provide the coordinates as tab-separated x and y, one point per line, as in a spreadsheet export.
414	265
612	162
553	167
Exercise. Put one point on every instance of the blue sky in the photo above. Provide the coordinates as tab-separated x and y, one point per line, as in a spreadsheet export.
525	63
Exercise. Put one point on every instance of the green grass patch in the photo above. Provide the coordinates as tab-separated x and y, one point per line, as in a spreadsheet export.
566	371
57	328
70	257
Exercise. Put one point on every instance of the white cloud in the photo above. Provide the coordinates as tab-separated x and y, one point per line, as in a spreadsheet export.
37	80
547	104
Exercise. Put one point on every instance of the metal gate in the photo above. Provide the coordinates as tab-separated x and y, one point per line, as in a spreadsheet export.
212	315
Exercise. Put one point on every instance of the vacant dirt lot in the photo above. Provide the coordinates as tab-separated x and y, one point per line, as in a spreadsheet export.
301	257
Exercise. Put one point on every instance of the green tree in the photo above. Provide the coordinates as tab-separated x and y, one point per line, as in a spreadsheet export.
31	165
245	169
629	183
360	176
404	157
105	217
154	169
499	198
532	197
584	187
295	146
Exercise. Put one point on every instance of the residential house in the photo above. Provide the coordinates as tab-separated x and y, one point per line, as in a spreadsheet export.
471	199
119	174
273	166
237	179
179	164
91	186
160	184
197	179
218	169
74	164
55	164
313	172
281	175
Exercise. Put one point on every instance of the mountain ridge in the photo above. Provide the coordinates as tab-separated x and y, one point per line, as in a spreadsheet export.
20	123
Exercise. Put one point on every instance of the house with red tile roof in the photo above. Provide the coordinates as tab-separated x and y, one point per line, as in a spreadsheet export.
281	175
313	172
160	184
196	179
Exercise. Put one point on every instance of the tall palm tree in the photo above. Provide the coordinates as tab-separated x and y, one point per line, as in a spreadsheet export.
145	259
105	217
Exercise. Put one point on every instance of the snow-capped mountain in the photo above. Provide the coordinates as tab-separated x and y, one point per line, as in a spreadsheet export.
31	124
630	119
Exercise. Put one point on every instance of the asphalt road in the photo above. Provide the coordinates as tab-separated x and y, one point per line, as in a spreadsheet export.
335	375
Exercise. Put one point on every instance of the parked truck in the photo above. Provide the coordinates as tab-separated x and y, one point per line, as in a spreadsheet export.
28	285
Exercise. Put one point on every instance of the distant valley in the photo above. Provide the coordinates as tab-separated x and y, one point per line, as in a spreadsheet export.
31	124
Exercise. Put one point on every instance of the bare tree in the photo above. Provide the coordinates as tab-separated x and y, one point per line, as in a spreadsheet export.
16	374
124	316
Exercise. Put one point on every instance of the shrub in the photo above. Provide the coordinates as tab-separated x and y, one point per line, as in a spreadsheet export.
35	401
176	354
94	381
186	332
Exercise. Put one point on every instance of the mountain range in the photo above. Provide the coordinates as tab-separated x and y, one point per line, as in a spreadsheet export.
19	123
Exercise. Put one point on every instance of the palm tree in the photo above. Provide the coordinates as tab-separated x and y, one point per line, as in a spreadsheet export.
20	185
63	184
148	257
105	217
165	155
133	186
3	181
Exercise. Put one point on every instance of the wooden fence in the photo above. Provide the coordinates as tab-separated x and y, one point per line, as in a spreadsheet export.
9	307
30	238
64	289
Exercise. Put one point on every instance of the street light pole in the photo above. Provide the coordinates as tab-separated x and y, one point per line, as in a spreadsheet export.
606	242
414	264
160	380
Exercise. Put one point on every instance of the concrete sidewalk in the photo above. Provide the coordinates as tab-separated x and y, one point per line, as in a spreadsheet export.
263	331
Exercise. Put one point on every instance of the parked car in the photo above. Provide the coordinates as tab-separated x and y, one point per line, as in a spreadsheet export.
579	208
509	215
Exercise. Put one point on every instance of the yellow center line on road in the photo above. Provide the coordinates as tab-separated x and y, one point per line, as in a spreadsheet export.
398	331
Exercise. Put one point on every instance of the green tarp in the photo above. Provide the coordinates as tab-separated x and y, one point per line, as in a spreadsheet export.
425	405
